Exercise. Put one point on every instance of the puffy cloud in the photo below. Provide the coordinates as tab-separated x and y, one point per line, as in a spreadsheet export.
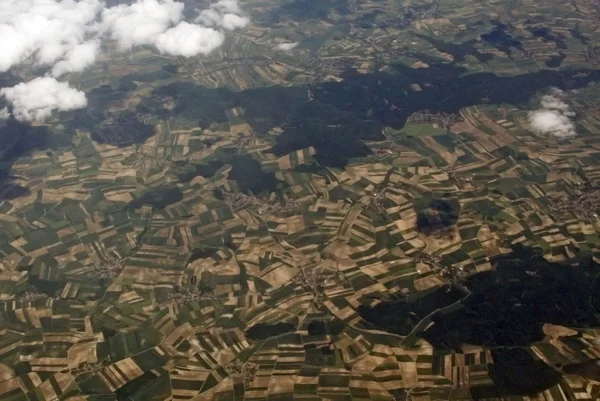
159	23
43	30
286	47
141	22
554	118
232	22
36	99
4	114
553	102
65	36
224	14
209	17
188	40
551	122
77	59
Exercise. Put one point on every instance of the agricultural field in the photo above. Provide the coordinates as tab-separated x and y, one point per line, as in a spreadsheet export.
372	215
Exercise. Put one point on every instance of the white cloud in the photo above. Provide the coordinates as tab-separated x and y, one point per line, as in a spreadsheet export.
36	99
4	114
65	36
43	30
77	59
141	22
551	122
554	118
224	14
227	6
189	40
209	17
232	22
286	47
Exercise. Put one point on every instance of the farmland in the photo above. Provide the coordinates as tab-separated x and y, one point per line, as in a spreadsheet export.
368	217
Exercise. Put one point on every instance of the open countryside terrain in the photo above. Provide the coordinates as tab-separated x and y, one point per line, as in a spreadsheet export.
374	214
